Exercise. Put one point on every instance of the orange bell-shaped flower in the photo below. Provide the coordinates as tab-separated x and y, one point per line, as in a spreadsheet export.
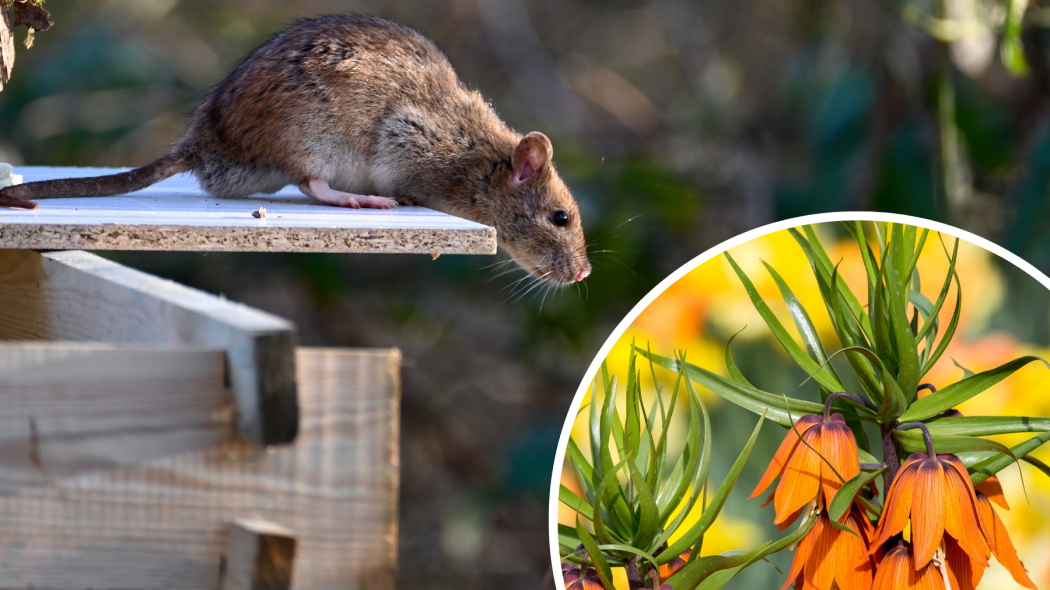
803	474
896	573
936	493
827	556
970	572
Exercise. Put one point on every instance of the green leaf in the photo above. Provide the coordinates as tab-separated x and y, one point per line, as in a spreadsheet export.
719	579
570	499
700	569
708	517
822	374
803	324
749	398
857	229
966	372
671	495
648	523
595	554
612	497
604	535
734	372
851	336
628	549
898	279
865	457
982	470
699	478
949	333
988	425
946	444
893	401
1037	464
568	539
822	267
960	391
584	472
931	325
840	504
633	423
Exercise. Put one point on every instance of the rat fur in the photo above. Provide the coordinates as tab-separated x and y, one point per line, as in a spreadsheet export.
349	107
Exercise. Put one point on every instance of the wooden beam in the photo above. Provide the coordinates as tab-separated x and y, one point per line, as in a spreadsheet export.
77	296
165	523
260	555
176	214
73	408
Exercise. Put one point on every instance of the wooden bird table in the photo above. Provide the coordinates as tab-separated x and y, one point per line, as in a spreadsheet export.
155	436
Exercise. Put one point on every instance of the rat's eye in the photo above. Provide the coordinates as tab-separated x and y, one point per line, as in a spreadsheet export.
560	218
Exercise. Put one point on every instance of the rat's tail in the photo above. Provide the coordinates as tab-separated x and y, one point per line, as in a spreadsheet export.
21	196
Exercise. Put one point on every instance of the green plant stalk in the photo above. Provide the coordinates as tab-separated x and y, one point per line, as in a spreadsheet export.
952	180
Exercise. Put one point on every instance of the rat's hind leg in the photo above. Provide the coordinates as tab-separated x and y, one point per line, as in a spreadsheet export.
320	190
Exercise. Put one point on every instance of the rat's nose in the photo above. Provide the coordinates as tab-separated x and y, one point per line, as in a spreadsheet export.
583	273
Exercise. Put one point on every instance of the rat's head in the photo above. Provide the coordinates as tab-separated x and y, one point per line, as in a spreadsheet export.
539	222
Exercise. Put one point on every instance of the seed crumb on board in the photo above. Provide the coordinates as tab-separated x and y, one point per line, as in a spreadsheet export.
261	213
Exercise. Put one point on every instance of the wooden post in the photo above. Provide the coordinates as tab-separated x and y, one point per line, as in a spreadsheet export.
74	295
164	522
259	556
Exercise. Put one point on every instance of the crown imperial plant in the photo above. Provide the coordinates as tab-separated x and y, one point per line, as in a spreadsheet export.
934	527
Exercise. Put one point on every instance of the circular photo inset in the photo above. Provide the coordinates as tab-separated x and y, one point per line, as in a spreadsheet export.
823	403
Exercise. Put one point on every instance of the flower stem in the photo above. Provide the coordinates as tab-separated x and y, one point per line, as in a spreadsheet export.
851	397
891	456
634	575
925	434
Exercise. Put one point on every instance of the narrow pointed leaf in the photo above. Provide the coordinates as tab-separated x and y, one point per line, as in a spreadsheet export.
700	569
822	267
953	324
988	425
697	483
596	557
844	497
584	472
960	391
803	323
797	354
720	578
648	514
898	279
708	517
984	469
731	368
947	444
749	398
572	500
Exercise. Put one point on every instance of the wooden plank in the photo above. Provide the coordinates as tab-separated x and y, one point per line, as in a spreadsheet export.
176	215
259	556
164	524
77	296
71	408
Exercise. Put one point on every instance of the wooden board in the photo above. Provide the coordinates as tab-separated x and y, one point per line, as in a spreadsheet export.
165	523
72	408
78	296
176	215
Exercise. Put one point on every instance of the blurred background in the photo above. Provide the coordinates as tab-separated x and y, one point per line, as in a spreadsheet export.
1005	315
678	124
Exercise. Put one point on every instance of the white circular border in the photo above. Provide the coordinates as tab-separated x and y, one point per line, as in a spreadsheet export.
570	418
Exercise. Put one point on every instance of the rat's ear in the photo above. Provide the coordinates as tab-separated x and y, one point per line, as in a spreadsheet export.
532	154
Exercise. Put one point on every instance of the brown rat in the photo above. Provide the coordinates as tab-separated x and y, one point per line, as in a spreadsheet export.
348	107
